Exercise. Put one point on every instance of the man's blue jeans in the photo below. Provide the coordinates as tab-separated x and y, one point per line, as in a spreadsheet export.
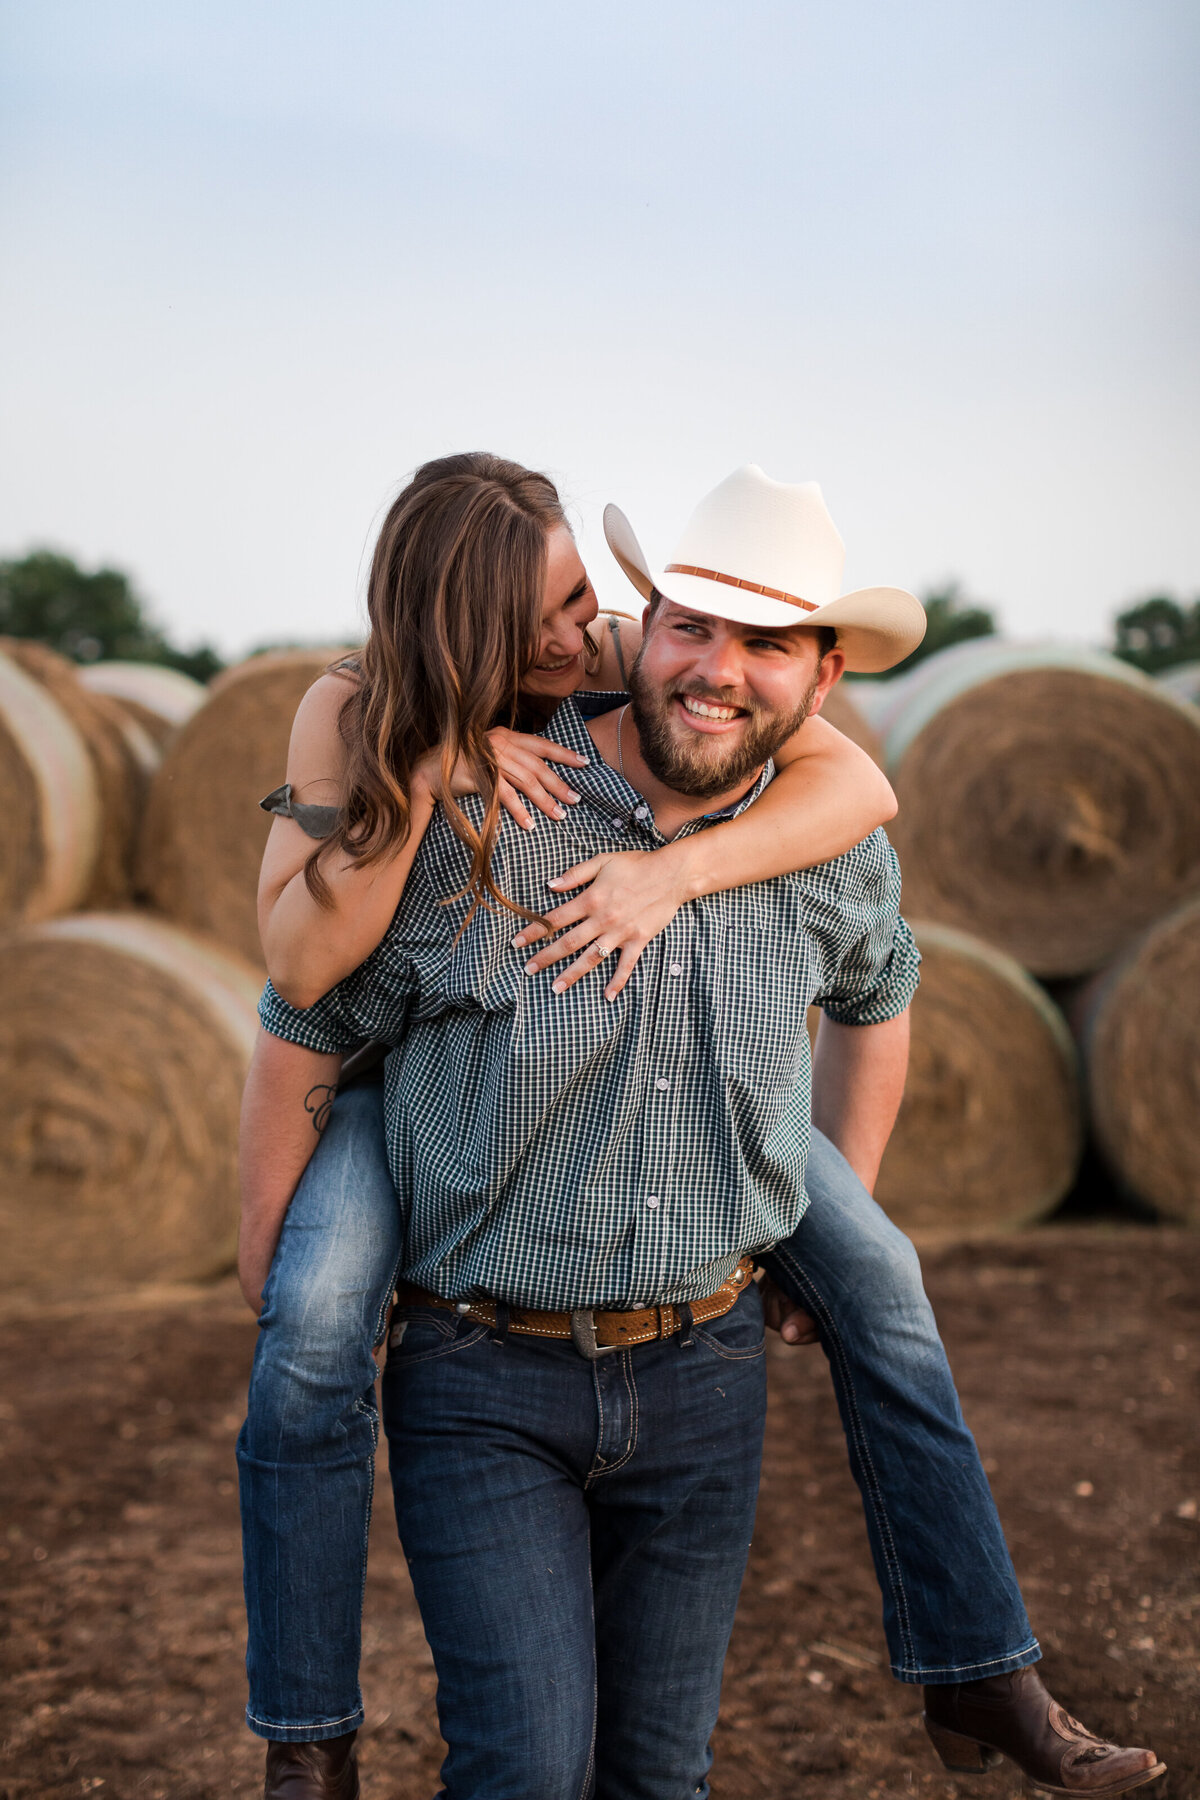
577	1534
952	1608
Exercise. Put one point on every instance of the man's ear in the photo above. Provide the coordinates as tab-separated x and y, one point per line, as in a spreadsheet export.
830	673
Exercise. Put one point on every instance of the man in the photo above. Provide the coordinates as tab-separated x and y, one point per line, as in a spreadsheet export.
574	1392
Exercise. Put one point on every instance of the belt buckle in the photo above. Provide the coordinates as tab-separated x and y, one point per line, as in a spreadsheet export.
583	1336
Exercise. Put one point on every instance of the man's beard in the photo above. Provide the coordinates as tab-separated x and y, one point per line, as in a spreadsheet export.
705	767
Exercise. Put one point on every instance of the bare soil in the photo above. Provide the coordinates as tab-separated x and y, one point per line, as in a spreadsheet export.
1077	1353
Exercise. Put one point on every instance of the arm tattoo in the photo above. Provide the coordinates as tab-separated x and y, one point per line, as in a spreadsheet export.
318	1102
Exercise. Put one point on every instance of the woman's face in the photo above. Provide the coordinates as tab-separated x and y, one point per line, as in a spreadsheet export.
568	604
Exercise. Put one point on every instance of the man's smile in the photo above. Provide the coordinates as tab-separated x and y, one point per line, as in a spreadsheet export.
711	717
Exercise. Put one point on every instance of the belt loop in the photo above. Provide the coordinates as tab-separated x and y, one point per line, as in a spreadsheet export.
502	1317
685	1325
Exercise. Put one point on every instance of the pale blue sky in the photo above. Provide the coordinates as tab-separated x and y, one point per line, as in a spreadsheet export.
260	259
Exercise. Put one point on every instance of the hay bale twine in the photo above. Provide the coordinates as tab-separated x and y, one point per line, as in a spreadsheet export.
841	708
123	757
159	699
203	834
124	1045
51	802
1049	799
1183	681
1138	1025
990	1132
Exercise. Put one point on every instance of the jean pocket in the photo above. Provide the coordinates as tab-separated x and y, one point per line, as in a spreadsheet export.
739	1334
419	1334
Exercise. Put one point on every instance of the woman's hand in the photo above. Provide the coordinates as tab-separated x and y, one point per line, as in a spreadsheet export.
628	897
523	763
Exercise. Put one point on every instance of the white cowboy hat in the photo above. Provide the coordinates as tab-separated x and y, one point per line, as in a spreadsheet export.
761	552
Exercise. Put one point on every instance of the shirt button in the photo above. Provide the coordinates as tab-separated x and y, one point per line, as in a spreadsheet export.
675	969
662	1084
652	1201
641	812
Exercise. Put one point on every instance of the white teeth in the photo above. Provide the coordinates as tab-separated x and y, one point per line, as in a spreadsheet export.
709	712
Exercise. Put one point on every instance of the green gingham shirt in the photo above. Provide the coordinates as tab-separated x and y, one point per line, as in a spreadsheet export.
561	1150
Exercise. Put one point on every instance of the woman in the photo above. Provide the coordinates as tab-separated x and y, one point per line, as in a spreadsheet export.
373	749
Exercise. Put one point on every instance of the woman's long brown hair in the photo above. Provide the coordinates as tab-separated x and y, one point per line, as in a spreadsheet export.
455	607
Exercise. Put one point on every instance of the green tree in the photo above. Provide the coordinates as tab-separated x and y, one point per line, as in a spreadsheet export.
1157	633
49	598
951	619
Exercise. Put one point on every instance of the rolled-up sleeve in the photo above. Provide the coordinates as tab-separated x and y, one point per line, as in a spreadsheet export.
371	1003
886	986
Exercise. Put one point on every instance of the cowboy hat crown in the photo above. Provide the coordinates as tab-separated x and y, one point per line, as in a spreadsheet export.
763	552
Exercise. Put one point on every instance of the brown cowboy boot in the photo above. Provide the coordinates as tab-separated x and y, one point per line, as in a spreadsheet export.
324	1771
973	1724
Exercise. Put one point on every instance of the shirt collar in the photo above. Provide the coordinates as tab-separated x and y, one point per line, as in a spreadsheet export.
605	789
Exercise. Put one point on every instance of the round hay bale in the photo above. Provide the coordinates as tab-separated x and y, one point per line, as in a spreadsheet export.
51	802
123	759
842	710
1183	681
1049	799
124	1044
990	1132
159	699
1138	1025
203	834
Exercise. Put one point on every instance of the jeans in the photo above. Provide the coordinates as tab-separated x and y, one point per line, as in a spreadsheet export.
952	1609
577	1534
306	1454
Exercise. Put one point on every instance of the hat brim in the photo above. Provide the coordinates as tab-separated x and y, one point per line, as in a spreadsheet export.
877	627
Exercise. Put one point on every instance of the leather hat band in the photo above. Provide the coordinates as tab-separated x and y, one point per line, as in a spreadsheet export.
752	587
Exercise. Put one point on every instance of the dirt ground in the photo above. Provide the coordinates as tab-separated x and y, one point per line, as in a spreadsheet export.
1077	1353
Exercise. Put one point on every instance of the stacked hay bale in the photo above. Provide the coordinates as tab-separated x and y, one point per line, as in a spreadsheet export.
1050	805
1138	1025
124	1038
203	835
121	757
159	699
51	802
990	1131
124	1045
1182	681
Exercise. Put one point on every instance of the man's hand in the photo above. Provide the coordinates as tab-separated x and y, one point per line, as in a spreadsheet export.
784	1316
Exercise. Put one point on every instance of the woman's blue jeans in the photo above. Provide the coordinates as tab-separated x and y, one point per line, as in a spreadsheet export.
306	1454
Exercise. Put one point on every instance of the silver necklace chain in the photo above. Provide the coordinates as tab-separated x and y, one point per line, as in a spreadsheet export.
620	752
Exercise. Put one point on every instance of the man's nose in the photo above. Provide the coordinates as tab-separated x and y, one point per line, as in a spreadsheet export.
720	663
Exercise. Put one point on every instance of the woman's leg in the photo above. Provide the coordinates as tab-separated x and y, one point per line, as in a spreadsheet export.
951	1605
306	1454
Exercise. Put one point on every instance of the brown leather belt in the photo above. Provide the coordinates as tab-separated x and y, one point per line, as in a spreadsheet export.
592	1333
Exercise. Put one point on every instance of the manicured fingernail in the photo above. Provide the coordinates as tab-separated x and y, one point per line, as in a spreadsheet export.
531	821
556	882
560	812
531	968
574	799
518	943
558	987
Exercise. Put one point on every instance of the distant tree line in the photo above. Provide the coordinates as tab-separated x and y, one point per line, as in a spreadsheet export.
1153	634
1158	633
88	617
